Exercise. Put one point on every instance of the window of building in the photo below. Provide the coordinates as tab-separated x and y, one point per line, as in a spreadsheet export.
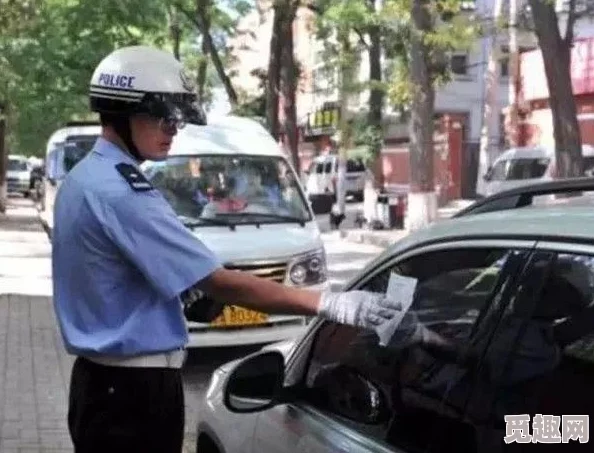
459	64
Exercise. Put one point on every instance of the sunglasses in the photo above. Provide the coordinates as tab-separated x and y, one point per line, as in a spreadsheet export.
167	125
170	126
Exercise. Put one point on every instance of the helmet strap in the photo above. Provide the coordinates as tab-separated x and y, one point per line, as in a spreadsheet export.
121	125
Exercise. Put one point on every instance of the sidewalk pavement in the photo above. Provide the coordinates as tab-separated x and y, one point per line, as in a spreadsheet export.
34	368
385	238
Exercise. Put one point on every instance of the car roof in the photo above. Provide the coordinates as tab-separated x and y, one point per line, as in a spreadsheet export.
529	152
537	152
530	223
225	135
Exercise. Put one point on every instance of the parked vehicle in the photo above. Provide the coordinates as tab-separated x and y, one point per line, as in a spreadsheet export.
65	148
518	167
18	175
505	305
232	185
322	175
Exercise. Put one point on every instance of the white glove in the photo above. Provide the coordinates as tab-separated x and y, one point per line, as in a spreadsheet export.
358	308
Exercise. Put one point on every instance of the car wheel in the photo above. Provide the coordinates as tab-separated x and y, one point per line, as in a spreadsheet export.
206	445
26	194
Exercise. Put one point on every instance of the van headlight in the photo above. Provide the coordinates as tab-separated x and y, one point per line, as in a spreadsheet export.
308	269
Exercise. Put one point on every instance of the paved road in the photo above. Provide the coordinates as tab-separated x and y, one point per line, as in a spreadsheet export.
34	370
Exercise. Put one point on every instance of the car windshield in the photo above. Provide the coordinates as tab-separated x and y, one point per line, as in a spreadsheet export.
236	189
75	148
17	165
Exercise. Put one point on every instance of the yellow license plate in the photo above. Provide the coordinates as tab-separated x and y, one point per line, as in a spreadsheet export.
238	316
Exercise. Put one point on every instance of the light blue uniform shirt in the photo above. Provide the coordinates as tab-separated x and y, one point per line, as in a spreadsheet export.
120	260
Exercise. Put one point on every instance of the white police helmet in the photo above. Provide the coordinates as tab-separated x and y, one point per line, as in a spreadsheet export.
142	79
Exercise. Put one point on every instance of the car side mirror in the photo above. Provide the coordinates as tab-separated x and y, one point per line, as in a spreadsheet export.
256	383
347	393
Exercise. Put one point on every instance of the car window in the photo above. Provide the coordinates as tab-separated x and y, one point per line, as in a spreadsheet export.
76	148
355	166
499	171
17	165
527	168
328	166
423	378
589	165
541	358
319	167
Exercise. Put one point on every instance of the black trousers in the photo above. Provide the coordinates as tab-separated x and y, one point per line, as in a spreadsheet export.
113	409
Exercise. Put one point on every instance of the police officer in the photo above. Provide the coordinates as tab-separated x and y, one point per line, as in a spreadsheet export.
122	259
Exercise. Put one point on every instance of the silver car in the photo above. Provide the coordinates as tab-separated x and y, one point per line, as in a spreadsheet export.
495	353
18	175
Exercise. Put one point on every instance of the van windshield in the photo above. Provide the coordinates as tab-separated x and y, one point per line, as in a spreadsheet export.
516	169
238	188
75	148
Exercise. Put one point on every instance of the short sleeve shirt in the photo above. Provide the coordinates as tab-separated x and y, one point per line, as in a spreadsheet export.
120	259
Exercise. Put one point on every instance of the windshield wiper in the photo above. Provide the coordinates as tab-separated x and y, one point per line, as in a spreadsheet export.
286	218
199	221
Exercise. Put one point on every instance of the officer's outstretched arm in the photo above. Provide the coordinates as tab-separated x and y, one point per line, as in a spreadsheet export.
356	308
260	294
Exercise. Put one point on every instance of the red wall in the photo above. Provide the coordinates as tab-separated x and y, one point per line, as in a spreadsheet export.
537	128
532	74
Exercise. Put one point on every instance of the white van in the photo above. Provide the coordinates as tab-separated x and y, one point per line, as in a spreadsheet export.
233	186
65	148
322	175
527	165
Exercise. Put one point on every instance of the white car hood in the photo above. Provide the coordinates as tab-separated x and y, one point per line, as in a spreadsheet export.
268	241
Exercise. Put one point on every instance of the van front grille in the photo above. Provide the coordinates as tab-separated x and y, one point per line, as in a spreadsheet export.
275	271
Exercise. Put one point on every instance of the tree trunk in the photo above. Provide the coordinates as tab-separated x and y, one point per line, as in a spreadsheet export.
201	20
512	136
175	32
348	70
487	148
422	204
556	53
3	164
376	99
274	66
202	11
289	86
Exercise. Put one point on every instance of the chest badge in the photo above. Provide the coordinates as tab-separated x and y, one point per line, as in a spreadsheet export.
134	178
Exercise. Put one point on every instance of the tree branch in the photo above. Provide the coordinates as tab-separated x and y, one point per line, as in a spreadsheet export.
214	55
361	37
571	18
